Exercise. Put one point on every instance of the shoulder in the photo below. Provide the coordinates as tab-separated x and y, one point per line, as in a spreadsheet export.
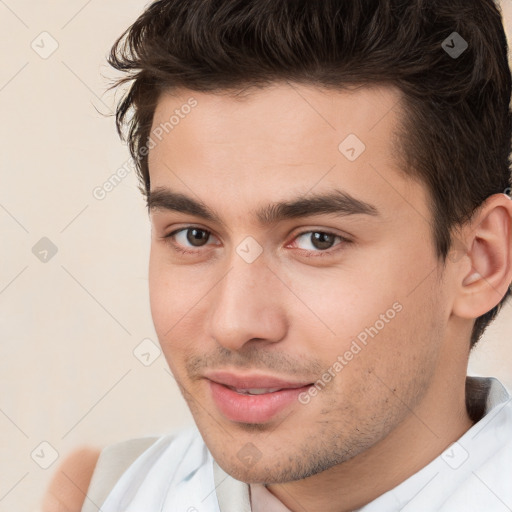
171	470
92	471
482	473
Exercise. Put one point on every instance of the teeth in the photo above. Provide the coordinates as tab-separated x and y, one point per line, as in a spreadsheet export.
256	391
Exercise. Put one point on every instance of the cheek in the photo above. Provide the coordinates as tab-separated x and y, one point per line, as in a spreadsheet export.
177	296
168	294
379	327
396	353
339	305
160	285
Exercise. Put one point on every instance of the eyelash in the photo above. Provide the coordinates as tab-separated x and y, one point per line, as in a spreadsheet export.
316	254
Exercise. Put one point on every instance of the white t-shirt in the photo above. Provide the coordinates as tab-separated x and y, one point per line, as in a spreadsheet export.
176	474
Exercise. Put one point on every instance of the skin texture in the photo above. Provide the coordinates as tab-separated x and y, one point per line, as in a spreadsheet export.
386	414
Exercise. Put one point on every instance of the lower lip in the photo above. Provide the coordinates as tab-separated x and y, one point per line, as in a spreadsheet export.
252	408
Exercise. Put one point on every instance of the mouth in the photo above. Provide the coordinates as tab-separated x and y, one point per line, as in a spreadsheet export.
253	381
253	398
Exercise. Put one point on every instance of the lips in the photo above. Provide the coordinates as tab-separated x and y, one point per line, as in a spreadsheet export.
254	381
252	398
253	408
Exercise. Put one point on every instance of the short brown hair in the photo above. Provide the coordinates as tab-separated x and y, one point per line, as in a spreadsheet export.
456	136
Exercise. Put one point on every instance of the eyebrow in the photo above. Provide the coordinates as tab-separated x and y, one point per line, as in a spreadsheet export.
333	202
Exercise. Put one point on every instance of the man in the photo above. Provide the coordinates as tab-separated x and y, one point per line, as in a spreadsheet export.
331	234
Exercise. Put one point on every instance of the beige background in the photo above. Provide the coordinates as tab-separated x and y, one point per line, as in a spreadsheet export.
69	326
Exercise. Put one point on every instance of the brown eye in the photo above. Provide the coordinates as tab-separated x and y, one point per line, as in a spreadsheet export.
185	239
322	240
317	241
197	237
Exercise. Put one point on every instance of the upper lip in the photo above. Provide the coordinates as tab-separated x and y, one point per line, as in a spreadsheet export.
252	381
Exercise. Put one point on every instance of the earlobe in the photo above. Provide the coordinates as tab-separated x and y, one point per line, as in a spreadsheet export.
488	238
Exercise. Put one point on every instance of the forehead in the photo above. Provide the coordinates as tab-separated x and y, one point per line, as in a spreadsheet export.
288	111
280	141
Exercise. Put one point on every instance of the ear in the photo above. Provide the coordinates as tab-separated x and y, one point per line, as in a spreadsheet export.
485	272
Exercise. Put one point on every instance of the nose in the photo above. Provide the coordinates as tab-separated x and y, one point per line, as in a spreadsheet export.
248	305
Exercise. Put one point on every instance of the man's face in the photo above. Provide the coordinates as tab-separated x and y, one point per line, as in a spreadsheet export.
344	312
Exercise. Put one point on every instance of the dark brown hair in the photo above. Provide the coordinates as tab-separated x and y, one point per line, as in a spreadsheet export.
457	129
